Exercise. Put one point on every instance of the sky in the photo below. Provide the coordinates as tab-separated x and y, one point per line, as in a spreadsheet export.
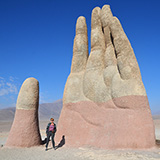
36	40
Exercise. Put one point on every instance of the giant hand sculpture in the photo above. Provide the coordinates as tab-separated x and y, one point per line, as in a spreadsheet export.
105	104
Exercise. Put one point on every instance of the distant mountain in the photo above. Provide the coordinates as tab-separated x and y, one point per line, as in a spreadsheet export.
46	111
7	114
157	116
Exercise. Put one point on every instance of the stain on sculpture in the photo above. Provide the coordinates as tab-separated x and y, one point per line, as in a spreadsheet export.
25	127
105	103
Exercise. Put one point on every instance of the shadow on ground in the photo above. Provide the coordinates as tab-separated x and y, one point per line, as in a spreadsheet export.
158	142
44	141
61	143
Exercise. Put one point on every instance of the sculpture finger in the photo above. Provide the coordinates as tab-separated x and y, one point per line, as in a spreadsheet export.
80	47
97	41
110	61
109	57
106	16
25	128
126	60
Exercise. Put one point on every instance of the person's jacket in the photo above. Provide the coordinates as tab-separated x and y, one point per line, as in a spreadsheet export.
47	129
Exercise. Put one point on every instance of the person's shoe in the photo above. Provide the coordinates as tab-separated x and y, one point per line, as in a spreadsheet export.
46	149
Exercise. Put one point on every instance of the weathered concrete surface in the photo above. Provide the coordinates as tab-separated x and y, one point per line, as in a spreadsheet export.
25	127
105	125
105	102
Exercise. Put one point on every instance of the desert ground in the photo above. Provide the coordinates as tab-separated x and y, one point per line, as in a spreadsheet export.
82	153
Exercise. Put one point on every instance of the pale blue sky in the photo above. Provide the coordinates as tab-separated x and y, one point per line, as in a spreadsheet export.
36	38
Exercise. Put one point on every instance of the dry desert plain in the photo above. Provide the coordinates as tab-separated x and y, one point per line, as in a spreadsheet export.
82	153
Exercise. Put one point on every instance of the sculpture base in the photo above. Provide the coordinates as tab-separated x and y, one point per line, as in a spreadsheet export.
124	122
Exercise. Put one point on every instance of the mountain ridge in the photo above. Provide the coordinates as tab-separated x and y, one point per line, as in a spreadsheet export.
46	111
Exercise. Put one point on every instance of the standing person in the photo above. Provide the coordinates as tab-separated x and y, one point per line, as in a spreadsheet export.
50	132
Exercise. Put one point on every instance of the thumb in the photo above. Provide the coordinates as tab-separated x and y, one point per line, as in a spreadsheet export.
25	128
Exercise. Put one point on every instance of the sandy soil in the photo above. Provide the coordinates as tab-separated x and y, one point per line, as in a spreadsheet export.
64	153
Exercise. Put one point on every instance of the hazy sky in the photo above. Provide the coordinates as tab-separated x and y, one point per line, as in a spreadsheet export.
36	39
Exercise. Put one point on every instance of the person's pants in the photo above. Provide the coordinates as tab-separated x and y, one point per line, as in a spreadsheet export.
50	134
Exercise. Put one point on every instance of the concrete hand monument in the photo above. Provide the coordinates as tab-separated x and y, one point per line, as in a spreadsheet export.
25	127
105	103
